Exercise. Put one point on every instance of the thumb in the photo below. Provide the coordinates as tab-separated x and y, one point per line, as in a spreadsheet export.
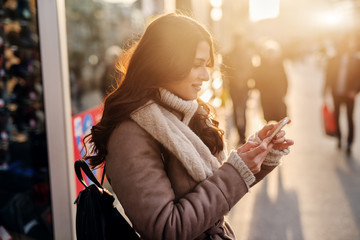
267	140
263	146
264	131
269	143
247	146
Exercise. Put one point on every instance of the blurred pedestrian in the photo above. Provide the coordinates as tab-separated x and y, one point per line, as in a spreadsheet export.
343	81
163	151
271	81
108	77
237	70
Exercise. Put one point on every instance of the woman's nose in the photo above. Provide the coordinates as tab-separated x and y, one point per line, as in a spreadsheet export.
204	74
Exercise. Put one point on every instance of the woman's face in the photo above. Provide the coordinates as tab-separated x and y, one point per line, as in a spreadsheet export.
189	87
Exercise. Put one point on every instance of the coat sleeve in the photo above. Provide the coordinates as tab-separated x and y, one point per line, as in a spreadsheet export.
138	178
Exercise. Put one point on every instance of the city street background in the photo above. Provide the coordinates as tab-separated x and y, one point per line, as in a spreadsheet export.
315	193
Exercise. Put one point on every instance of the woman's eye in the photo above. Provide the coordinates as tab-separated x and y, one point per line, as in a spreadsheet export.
197	65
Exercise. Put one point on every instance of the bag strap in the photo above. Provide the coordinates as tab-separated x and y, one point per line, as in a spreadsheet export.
103	175
82	165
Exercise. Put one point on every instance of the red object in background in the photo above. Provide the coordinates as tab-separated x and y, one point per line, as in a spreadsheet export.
329	120
81	125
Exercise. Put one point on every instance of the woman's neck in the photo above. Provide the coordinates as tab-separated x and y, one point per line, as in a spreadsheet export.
187	108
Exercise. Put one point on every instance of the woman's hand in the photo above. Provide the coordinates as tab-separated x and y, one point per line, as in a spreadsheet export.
279	140
253	154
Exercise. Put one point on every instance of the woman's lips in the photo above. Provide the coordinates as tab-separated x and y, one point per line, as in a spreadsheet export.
197	87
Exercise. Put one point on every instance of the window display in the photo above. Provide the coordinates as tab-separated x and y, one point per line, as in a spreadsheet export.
25	204
97	33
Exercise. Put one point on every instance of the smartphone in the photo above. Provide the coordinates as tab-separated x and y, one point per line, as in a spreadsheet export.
282	124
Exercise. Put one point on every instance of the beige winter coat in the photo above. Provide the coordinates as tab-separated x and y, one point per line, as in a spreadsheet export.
160	198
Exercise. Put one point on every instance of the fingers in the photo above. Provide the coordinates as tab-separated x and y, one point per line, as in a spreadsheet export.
255	156
278	140
247	146
263	147
283	145
264	132
253	162
268	129
289	142
253	153
267	140
279	137
280	134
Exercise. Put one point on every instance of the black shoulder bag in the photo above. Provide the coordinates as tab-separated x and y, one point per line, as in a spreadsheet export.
96	216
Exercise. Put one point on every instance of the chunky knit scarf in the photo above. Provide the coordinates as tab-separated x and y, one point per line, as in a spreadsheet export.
175	134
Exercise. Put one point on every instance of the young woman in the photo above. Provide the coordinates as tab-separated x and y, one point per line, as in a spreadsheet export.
163	151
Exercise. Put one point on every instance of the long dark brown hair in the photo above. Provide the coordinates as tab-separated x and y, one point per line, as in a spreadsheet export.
165	52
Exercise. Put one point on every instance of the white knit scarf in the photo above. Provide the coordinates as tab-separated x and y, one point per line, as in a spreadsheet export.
175	135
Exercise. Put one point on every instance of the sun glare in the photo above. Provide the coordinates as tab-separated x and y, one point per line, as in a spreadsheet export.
263	9
333	18
206	96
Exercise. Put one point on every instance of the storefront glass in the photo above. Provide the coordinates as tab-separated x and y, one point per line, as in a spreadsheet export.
25	203
98	31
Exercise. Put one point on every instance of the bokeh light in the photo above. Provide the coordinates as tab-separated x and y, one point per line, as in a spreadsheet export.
263	9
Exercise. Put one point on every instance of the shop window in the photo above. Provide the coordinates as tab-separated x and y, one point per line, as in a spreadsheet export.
98	31
25	204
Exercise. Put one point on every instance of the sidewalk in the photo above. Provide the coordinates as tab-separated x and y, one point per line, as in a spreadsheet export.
315	193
